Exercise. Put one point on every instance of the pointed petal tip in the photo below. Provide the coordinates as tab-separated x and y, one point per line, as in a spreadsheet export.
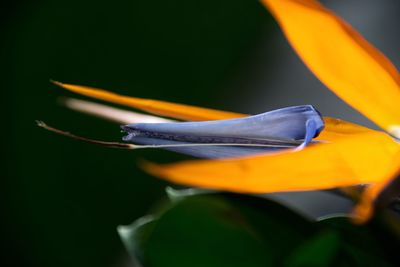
341	58
161	108
151	168
378	195
56	82
333	127
362	213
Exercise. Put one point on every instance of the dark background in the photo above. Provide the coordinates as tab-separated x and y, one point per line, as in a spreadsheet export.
61	199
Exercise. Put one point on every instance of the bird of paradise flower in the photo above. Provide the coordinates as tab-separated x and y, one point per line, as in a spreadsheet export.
344	154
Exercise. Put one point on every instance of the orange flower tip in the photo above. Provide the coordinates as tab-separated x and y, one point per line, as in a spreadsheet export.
394	130
362	213
341	58
151	168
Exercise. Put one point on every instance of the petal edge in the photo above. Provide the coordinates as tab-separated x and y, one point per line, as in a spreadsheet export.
341	58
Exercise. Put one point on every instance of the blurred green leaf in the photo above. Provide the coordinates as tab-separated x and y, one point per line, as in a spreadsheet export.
361	245
202	228
135	235
318	251
194	52
216	230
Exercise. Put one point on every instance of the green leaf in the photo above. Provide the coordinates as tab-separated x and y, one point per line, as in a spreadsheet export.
361	245
320	250
216	230
135	235
202	228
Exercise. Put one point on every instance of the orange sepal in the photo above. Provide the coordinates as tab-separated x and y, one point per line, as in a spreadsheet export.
358	159
366	205
162	108
334	128
342	59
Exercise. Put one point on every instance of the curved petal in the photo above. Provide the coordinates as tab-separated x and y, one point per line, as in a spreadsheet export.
285	124
117	115
358	159
177	111
379	194
270	131
334	128
342	59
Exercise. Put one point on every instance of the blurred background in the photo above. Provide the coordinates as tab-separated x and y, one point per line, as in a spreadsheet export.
61	200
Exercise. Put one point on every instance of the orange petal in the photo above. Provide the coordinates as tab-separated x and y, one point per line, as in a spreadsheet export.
358	159
177	111
365	208
334	128
342	59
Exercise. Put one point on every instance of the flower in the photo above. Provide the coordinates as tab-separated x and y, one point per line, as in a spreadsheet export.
351	154
292	127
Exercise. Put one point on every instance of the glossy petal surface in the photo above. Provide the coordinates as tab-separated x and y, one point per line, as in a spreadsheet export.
342	59
337	128
173	110
208	151
278	129
359	159
334	128
286	123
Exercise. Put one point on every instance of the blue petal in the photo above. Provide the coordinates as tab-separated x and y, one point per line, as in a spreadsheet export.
212	151
282	128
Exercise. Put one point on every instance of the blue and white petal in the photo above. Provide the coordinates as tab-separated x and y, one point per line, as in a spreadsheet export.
284	128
